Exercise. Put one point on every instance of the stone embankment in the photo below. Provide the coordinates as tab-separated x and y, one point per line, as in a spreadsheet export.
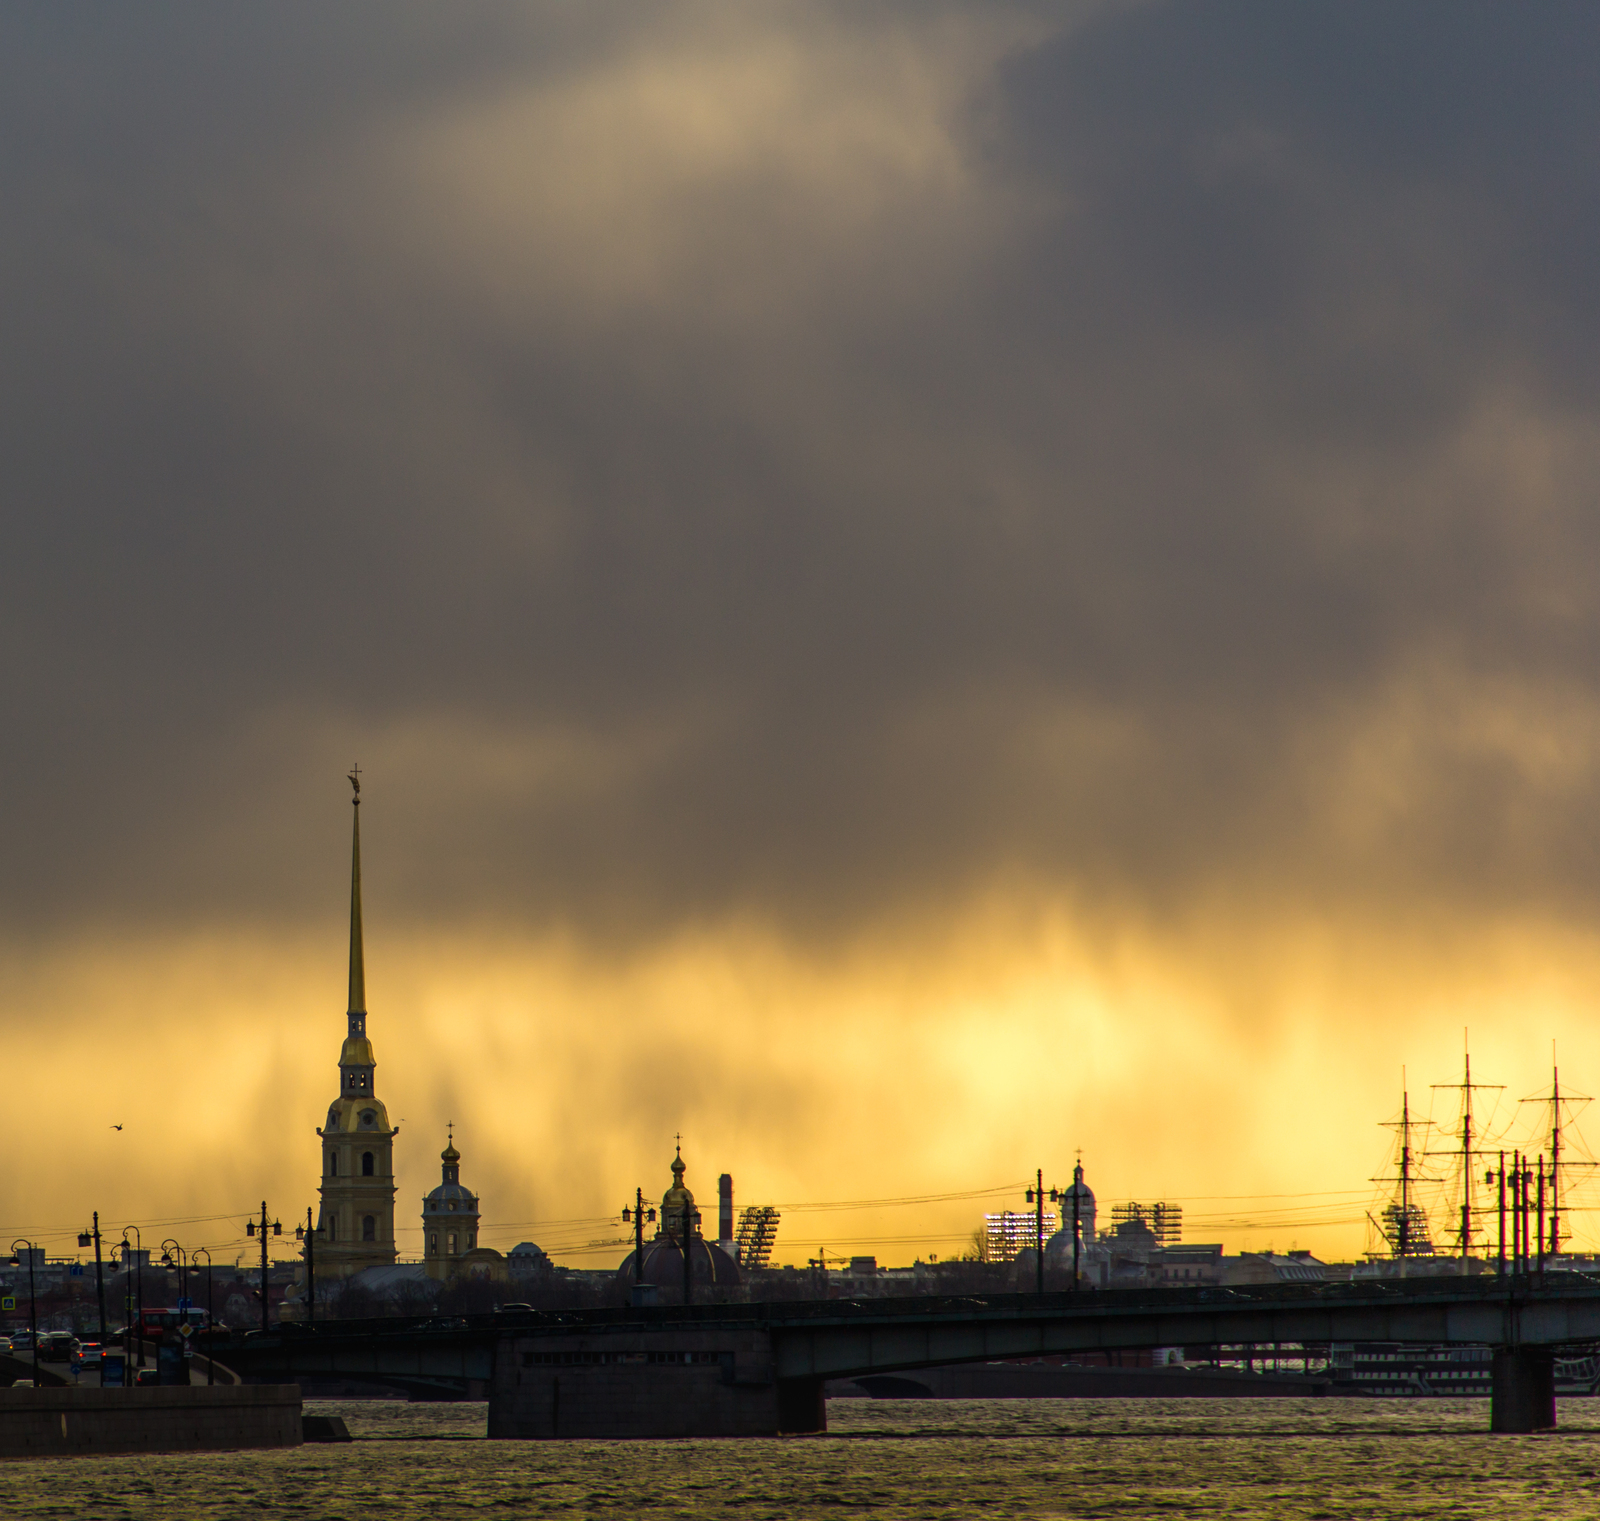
44	1423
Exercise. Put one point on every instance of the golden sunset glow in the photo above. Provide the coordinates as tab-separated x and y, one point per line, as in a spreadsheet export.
918	591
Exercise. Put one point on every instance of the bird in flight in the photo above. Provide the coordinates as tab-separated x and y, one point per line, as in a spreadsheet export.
116	1127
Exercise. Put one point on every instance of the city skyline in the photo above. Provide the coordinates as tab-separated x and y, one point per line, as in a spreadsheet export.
917	591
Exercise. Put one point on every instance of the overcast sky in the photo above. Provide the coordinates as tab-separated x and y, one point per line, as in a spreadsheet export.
948	512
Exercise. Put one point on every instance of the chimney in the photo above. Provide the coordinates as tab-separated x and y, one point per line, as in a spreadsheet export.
725	1208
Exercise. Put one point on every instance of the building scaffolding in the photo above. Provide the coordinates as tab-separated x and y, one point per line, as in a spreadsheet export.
758	1234
1164	1221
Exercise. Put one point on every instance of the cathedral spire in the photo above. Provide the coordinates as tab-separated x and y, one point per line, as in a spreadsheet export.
358	969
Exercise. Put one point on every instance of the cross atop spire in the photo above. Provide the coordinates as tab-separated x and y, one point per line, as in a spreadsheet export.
354	774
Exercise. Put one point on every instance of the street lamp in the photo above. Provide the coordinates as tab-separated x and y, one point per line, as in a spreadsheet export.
250	1229
211	1322
33	1298
84	1238
138	1268
168	1250
309	1233
691	1218
1035	1197
638	1215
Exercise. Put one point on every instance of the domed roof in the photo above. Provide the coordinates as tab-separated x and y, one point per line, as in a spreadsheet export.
447	1193
450	1154
663	1265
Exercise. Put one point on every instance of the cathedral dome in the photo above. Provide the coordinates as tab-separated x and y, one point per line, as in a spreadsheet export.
663	1265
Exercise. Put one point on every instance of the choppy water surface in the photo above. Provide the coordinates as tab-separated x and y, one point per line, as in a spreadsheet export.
1404	1460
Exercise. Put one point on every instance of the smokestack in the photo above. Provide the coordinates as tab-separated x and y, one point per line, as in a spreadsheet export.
725	1208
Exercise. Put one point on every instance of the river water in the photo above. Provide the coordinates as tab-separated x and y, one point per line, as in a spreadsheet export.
1389	1460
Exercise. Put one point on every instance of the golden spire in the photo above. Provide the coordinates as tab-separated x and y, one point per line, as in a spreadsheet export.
358	969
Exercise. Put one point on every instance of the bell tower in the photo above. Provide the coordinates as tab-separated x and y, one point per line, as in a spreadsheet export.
356	1222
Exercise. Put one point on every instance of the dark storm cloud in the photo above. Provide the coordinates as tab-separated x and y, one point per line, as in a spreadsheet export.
795	462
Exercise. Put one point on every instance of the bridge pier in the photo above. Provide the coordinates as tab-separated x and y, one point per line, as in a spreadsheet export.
801	1405
1523	1389
691	1380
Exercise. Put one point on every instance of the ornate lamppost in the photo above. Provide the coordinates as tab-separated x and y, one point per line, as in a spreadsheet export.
138	1268
211	1320
309	1233
637	1214
1035	1197
33	1297
250	1229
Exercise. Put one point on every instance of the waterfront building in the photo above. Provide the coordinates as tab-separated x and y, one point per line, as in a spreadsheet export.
355	1224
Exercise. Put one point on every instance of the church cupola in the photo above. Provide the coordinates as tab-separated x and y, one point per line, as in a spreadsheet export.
678	1213
449	1217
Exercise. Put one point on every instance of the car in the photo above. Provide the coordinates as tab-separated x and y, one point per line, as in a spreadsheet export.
22	1341
90	1354
57	1346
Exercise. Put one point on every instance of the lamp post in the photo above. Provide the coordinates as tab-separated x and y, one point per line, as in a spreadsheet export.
1489	1180
33	1298
308	1233
85	1238
637	1215
691	1218
169	1249
211	1323
138	1268
1035	1197
250	1229
1541	1216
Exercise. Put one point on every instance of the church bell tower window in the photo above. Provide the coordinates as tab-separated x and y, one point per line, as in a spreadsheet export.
333	1164
369	1228
366	1164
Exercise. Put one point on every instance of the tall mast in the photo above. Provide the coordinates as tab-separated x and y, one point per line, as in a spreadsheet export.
1561	1150
1405	1168
1402	1222
1467	1152
1467	1168
1555	1153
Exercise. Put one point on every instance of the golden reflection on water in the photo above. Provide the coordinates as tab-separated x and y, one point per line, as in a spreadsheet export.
1363	1460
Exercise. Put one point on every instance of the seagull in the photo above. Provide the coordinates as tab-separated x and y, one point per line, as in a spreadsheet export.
116	1127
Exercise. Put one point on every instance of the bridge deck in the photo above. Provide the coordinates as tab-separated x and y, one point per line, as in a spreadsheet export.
839	1338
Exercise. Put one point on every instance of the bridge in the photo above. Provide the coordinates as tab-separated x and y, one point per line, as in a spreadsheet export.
760	1368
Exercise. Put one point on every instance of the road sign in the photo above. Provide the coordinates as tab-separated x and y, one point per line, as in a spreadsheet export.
8	1303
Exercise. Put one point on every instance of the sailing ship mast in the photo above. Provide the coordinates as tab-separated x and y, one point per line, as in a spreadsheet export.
1467	1151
